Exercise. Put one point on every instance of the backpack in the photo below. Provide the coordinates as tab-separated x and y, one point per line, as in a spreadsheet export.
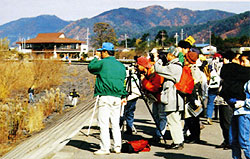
186	83
215	79
136	146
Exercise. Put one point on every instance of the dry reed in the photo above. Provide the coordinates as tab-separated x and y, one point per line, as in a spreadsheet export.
17	117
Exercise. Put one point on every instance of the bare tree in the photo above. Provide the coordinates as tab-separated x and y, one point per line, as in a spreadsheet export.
103	33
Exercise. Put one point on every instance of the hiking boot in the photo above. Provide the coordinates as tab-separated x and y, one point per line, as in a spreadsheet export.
155	139
128	131
202	126
222	145
117	150
227	147
209	121
175	146
101	152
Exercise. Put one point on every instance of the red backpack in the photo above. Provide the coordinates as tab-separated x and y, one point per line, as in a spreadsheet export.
186	83
136	146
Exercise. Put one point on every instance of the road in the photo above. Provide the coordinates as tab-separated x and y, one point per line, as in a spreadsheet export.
82	147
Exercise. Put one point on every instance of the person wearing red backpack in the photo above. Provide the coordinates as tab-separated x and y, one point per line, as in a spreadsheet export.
193	108
173	101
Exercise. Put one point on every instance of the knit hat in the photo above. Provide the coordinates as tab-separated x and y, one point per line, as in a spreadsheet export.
144	62
174	51
192	57
217	55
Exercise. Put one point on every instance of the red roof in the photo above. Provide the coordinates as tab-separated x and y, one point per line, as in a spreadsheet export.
51	38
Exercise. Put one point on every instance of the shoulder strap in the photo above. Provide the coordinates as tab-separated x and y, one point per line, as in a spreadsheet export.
177	63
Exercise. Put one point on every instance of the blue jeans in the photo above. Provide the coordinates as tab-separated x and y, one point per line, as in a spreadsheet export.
161	117
129	112
210	104
239	135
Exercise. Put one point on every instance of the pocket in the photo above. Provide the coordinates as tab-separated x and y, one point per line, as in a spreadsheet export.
165	95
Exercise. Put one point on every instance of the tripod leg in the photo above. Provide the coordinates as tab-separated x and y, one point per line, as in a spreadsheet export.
145	101
93	115
122	118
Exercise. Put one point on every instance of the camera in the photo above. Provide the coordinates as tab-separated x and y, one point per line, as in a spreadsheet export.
163	56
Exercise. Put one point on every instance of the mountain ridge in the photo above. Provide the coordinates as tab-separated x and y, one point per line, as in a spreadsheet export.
132	22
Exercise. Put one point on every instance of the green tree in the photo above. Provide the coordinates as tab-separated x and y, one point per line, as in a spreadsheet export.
217	41
130	42
103	33
162	38
142	43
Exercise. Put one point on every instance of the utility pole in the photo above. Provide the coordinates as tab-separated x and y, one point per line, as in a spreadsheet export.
126	43
176	38
182	34
210	39
87	38
162	34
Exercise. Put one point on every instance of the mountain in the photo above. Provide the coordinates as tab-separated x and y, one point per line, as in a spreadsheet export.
234	26
30	27
134	21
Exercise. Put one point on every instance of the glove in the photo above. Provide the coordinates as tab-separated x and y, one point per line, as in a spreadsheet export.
239	104
232	100
197	102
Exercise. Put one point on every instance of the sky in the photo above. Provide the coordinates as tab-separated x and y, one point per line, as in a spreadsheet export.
77	9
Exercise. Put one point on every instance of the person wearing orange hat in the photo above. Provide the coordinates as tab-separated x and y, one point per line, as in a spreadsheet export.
192	122
152	84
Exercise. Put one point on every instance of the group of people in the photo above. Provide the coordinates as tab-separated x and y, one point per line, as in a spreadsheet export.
159	76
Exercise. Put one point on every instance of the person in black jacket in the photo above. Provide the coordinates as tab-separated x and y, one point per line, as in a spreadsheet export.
74	95
234	76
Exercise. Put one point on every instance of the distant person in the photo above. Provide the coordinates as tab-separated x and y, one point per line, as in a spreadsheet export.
31	94
110	78
74	97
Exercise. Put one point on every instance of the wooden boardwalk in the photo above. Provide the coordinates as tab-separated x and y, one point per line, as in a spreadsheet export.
56	136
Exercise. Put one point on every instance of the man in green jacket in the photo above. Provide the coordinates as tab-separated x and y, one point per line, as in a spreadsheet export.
110	77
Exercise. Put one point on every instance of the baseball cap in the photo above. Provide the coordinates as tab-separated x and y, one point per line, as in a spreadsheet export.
106	46
144	62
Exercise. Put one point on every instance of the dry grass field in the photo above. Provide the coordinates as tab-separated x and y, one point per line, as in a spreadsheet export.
53	80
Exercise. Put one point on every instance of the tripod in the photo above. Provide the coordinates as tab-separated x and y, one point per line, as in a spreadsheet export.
143	96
